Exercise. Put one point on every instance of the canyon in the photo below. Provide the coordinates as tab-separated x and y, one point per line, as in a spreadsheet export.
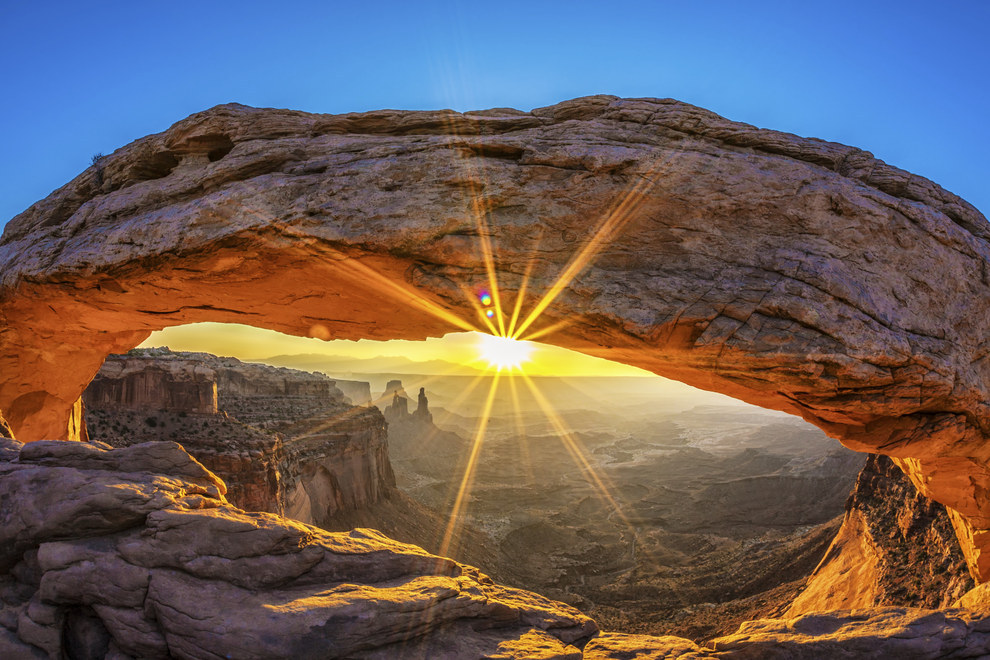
729	491
787	272
75	588
286	441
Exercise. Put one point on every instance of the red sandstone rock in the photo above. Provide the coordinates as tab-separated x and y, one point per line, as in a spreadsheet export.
788	272
895	547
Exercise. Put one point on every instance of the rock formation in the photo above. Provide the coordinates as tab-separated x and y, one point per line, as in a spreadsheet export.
895	547
396	408
134	552
359	392
143	381
788	272
422	412
291	444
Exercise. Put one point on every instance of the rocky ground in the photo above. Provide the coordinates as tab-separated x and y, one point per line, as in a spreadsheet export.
129	553
135	553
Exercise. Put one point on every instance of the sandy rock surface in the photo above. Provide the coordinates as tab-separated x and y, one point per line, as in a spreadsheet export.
885	632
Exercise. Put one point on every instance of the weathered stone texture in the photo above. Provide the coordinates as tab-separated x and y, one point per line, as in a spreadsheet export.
145	382
138	555
886	632
792	273
895	547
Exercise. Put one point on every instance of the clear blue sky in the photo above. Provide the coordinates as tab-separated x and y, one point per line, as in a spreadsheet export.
906	80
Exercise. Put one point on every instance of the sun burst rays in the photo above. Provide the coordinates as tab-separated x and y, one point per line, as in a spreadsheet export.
464	491
488	299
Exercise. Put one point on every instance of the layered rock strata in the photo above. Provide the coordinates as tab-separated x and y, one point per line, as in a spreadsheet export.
291	443
789	272
895	547
359	392
336	465
134	552
146	381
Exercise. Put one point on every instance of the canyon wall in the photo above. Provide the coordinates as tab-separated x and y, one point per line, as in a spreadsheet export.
895	547
338	467
359	392
143	381
788	272
284	440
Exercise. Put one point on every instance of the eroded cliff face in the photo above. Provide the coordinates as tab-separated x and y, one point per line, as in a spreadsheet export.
895	547
788	272
336	466
145	382
285	441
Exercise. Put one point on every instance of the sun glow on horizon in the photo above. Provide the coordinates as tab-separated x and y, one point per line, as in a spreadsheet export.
504	352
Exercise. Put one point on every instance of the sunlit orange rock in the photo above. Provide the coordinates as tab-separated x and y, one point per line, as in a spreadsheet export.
792	273
895	547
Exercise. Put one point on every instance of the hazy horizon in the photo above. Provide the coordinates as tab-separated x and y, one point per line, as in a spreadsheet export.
454	353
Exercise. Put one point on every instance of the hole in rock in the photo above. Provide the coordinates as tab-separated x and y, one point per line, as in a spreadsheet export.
214	145
654	506
154	167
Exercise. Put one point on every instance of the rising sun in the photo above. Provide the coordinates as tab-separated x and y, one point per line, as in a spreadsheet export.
504	352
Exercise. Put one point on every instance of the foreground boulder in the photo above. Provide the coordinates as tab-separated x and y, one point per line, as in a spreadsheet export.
134	552
885	632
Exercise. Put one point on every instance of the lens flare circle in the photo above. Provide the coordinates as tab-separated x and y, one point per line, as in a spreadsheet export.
504	352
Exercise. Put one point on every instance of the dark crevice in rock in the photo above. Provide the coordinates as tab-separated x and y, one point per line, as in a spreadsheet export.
156	166
84	636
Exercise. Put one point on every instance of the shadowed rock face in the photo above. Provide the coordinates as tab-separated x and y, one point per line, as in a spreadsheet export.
791	273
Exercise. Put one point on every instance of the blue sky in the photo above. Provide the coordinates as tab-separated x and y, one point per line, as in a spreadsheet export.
905	80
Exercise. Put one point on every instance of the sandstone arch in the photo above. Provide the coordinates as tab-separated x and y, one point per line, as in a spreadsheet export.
792	273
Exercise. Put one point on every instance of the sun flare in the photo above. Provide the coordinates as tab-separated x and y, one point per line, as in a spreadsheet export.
504	352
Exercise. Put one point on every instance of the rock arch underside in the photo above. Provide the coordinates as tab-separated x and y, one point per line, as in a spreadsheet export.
792	273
